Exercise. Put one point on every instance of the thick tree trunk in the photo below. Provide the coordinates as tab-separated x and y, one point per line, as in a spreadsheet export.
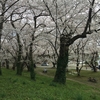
62	62
60	75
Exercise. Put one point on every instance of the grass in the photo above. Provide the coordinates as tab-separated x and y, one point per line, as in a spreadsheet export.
13	87
85	74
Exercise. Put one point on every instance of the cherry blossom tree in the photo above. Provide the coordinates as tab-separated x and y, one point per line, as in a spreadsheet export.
76	22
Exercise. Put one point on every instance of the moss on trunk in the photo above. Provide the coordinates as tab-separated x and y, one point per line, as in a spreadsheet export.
60	75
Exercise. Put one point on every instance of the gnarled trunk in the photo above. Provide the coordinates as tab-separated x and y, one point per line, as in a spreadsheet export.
60	76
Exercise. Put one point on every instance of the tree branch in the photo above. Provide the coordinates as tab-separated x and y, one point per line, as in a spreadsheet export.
88	25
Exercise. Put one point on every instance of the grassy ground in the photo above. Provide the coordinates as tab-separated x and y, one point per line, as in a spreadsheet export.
13	87
71	75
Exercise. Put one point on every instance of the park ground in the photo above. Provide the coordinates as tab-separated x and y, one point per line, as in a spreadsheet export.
13	87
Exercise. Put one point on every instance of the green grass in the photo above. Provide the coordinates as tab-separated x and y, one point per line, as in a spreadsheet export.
13	87
85	74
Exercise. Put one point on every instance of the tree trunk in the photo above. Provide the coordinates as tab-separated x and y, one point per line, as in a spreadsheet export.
28	66
19	64
94	69
78	72
19	68
62	62
14	63
7	63
31	63
54	64
32	73
0	69
1	28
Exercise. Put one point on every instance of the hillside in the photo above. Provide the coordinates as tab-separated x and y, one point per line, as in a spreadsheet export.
13	87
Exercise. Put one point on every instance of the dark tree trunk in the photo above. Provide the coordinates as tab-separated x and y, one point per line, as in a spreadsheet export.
19	68
19	64
62	62
0	69
78	71
14	64
32	73
78	74
94	69
28	66
54	64
0	38
7	63
1	27
31	63
92	63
